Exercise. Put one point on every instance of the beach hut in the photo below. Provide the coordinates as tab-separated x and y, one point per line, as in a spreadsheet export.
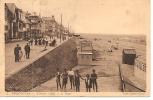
128	56
84	58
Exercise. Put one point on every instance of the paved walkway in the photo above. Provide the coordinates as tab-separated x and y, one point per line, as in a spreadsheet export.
105	84
12	67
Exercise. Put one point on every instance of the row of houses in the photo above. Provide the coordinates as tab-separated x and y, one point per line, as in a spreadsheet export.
21	24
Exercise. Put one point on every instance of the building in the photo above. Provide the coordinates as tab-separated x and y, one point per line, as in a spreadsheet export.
35	26
16	23
66	33
46	25
27	26
50	26
23	25
43	29
20	24
10	22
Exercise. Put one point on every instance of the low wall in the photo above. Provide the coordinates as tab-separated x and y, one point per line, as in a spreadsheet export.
131	88
43	69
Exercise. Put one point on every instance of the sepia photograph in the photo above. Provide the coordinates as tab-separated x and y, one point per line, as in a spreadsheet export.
78	47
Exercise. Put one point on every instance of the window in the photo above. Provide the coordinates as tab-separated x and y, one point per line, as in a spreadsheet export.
6	27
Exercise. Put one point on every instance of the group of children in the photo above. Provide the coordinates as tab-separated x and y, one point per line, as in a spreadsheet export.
74	78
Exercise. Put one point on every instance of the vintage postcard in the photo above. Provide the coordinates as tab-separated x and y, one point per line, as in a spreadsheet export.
75	48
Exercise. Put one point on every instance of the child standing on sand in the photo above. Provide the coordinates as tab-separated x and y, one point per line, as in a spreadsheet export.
88	83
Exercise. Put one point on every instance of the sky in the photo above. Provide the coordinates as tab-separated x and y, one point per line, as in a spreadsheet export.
95	16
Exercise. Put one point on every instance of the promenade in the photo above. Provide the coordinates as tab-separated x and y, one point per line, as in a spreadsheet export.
37	51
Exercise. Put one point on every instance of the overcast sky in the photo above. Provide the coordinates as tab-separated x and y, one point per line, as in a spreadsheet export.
95	16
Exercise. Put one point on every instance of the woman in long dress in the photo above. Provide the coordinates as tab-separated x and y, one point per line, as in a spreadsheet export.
20	55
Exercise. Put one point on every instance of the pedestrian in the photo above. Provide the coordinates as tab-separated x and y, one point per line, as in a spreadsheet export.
39	41
88	83
35	41
20	55
77	77
46	42
43	41
31	42
54	42
71	77
94	80
16	52
58	78
27	51
64	79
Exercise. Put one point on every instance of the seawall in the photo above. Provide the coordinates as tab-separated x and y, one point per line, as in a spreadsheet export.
43	69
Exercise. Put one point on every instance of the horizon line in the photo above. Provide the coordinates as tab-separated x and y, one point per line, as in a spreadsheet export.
111	33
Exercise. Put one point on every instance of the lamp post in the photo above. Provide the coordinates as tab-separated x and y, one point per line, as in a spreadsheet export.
61	31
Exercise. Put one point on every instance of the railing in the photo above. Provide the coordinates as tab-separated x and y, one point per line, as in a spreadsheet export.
122	79
123	82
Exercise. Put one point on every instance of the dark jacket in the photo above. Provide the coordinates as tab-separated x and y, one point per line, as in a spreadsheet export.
16	50
27	48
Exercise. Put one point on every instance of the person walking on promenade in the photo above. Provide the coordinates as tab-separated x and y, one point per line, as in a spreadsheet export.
71	77
39	41
43	41
20	55
27	51
16	52
64	79
94	80
46	42
58	78
31	41
77	77
88	83
54	42
36	41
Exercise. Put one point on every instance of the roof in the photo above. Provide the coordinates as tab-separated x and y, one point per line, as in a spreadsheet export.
129	51
11	7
